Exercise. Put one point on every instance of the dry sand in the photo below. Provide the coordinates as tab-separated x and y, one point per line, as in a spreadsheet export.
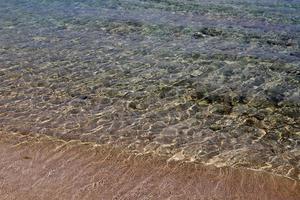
40	167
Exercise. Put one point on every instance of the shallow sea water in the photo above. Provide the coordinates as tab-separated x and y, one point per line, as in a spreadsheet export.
213	82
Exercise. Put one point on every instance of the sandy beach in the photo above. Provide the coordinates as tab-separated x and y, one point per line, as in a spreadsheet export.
40	167
149	99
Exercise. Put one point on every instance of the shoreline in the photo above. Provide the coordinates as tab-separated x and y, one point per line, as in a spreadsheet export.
42	167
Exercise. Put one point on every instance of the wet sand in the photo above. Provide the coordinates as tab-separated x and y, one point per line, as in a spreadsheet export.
41	167
217	81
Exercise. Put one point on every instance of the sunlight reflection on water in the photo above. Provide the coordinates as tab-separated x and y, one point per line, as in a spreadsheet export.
215	84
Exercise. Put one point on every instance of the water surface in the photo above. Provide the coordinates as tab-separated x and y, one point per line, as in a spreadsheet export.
215	82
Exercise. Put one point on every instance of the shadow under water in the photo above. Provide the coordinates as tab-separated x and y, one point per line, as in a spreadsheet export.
209	82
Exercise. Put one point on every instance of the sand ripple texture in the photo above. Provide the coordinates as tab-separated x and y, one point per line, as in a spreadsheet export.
210	82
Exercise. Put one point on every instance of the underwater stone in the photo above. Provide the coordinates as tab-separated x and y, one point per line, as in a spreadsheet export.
198	35
215	127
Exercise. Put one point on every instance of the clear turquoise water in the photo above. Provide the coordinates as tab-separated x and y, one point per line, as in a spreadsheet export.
216	82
